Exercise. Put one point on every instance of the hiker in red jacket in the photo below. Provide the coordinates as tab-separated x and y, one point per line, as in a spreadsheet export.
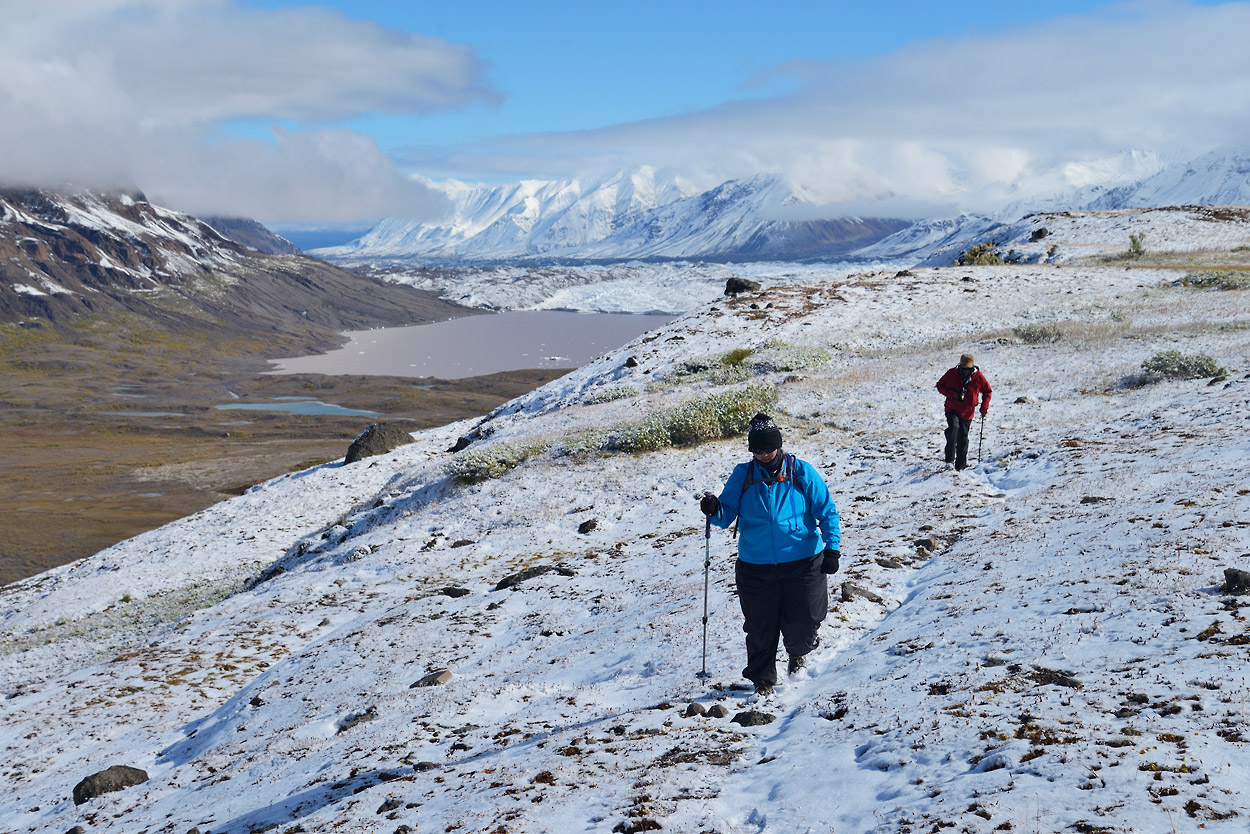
963	386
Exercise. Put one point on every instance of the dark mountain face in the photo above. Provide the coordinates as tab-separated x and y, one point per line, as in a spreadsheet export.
67	256
254	235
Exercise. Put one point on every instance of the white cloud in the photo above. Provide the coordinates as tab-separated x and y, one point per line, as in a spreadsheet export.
135	93
972	122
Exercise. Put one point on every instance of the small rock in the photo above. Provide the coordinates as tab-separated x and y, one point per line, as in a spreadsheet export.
530	573
436	678
368	715
631	362
378	439
422	767
1094	499
454	592
1038	234
115	778
753	718
586	526
77	829
904	273
892	564
929	544
694	709
1236	581
717	711
737	285
1025	400
462	542
461	444
391	804
850	592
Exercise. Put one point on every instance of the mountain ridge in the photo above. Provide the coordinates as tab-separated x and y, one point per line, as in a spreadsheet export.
639	215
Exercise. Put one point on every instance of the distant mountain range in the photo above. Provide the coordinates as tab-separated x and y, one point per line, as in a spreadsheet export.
639	215
642	215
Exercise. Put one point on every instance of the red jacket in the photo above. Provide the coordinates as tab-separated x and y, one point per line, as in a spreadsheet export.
950	384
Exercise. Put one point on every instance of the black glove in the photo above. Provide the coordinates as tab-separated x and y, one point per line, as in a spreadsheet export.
830	563
709	504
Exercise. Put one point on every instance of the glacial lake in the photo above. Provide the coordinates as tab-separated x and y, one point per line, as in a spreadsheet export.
478	344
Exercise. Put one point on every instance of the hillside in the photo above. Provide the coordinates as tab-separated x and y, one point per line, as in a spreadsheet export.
1048	646
68	256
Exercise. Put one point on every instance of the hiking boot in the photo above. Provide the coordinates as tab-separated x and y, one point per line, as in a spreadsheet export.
763	690
797	662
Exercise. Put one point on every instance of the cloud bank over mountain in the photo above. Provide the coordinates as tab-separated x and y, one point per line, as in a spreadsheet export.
159	96
957	124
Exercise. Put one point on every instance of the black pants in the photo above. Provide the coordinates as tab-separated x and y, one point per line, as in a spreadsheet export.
957	440
788	601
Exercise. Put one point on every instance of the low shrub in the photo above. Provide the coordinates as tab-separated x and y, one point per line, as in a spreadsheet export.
607	395
740	364
1038	334
985	254
475	465
1217	280
775	355
711	418
1172	364
1136	245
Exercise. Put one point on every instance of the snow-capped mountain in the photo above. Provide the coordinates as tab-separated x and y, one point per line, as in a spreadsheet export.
635	215
1217	178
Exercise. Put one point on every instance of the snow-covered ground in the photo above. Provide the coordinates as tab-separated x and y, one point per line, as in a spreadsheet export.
632	287
1052	649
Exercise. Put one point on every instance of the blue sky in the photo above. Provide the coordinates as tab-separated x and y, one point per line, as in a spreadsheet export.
343	112
566	66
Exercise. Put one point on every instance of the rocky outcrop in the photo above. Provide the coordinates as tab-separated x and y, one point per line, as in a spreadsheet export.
115	778
736	285
378	439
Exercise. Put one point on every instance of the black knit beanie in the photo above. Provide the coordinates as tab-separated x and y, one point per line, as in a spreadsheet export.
763	434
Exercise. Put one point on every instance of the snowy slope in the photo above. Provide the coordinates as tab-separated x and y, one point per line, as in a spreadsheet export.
1218	178
1075	236
1051	648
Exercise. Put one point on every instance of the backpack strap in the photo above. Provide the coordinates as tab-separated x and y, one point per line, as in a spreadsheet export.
788	472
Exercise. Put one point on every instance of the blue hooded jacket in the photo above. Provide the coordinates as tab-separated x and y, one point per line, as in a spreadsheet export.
778	522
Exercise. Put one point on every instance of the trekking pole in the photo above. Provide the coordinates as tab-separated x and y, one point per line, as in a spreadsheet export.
980	439
707	564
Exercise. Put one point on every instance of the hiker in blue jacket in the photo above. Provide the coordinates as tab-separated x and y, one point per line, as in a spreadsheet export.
789	543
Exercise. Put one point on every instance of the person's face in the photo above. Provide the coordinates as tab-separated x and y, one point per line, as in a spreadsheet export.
765	457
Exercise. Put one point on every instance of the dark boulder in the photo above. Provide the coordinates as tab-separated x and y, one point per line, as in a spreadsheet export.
587	526
753	718
1038	234
378	439
737	285
1236	581
115	778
